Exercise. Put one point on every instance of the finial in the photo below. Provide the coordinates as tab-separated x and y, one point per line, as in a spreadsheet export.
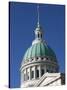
38	23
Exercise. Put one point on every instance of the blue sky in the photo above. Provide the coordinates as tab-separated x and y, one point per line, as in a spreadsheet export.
23	21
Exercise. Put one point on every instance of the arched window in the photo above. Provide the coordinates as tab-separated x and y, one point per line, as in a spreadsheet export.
41	35
38	35
37	73
32	74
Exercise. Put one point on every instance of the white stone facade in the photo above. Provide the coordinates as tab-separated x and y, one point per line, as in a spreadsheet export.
32	71
48	79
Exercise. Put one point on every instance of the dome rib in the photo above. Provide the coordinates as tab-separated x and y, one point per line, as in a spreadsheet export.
43	49
34	50
39	49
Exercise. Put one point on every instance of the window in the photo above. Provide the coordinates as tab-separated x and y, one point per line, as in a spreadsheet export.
38	35
47	58
32	59
41	35
42	58
42	72
37	58
37	73
32	74
47	70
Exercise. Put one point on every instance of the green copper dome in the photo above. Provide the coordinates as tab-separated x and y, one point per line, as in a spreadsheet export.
39	50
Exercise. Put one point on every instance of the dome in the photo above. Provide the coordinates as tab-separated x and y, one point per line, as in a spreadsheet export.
40	49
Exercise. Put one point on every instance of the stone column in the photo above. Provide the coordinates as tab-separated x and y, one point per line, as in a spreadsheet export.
44	68
39	71
34	72
30	73
26	75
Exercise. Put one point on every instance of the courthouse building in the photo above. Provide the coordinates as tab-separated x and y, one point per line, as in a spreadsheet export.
39	66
